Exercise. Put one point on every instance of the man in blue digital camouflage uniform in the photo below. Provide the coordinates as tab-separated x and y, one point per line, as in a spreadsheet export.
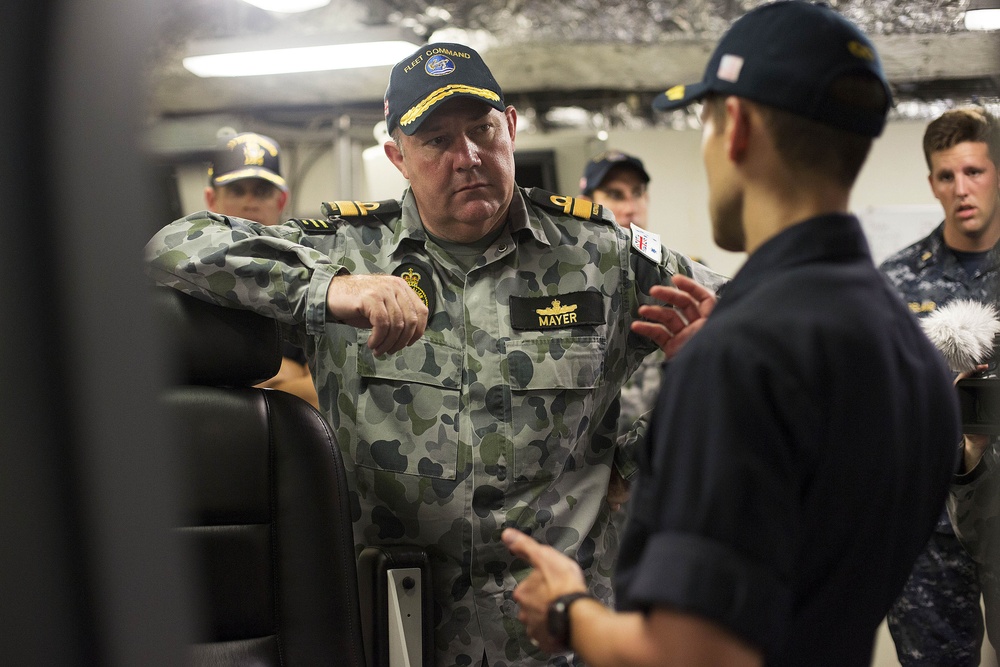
499	336
937	619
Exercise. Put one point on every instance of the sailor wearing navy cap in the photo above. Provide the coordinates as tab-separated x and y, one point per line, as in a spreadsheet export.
244	179
618	181
804	439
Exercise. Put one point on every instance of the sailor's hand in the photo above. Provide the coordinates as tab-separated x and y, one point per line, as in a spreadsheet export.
671	326
386	304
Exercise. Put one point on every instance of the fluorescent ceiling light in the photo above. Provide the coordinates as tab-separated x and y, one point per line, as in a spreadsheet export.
983	15
288	6
299	59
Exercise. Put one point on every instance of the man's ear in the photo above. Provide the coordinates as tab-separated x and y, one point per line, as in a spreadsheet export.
210	198
282	200
510	113
737	128
396	157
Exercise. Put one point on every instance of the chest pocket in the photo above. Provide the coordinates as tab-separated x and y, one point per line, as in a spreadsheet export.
408	404
553	384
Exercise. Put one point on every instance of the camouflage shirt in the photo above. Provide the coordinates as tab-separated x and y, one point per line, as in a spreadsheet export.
496	417
928	275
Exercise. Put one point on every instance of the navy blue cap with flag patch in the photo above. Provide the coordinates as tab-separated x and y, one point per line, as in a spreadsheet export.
787	55
431	75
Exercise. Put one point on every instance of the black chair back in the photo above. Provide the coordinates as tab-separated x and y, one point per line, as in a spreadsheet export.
266	508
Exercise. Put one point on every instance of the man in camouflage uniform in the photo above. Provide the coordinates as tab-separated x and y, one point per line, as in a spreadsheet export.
479	404
937	619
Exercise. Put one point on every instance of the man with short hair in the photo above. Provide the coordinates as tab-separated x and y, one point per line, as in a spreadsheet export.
804	438
618	182
937	619
244	180
469	340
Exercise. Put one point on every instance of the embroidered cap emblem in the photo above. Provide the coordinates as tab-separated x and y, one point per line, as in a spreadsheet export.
439	65
253	154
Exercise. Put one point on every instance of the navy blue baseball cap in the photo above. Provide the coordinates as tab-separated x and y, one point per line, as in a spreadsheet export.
786	54
599	166
433	74
247	155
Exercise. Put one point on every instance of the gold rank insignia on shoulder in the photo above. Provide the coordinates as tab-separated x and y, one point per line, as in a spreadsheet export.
359	209
922	306
315	225
556	312
578	208
418	276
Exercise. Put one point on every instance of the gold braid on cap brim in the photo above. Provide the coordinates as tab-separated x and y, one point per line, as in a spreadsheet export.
418	110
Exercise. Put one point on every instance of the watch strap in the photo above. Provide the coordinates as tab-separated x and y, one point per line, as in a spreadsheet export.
558	616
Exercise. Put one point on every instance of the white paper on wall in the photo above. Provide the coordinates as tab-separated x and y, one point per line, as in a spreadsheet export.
892	228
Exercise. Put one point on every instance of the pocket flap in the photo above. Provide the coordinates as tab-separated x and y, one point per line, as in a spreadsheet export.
425	362
555	363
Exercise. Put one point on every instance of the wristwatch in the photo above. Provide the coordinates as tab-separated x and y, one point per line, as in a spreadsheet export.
558	616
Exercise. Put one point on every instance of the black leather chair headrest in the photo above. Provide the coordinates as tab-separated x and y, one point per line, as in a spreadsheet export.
215	345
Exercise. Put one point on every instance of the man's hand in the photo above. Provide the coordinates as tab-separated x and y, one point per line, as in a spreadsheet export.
671	327
386	304
555	574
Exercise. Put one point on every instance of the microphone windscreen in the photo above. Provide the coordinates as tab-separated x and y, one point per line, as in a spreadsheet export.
963	331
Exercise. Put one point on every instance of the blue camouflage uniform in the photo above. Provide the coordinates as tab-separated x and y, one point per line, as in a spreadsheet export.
493	418
937	620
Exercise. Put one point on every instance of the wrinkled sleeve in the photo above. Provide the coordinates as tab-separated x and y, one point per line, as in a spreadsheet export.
631	436
638	397
974	507
242	264
640	390
639	393
648	273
